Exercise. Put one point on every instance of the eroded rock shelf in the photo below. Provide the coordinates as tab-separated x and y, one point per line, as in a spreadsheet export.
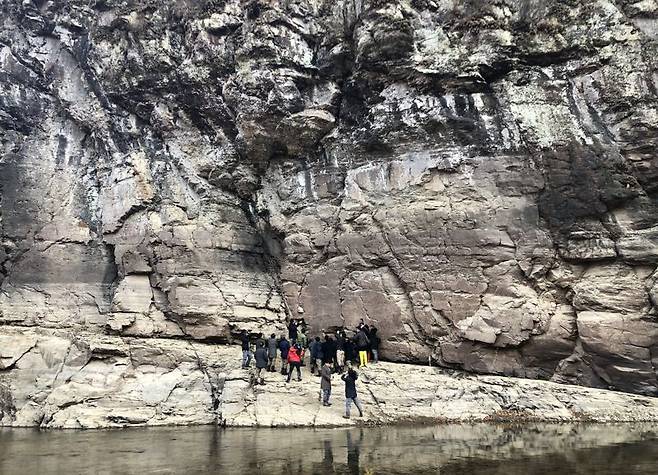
66	381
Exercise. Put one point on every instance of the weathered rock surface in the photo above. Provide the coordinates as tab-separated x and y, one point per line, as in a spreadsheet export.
393	392
477	179
56	379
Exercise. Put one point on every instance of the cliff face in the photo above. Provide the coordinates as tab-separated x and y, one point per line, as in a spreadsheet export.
477	179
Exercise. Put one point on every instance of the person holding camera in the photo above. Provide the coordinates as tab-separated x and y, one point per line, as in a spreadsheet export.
350	393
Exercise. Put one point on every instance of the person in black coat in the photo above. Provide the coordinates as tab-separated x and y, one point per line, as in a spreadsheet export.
350	393
292	331
362	344
374	344
261	361
329	350
317	355
246	351
272	347
350	353
260	339
332	353
284	347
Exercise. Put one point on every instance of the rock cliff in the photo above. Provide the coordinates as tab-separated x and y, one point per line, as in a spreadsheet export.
477	179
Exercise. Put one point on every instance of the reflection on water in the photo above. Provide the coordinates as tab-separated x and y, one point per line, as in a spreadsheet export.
446	449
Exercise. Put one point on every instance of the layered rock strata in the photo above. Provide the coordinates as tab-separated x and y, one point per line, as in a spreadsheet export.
477	179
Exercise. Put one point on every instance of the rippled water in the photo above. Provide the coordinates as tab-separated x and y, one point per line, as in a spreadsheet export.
446	449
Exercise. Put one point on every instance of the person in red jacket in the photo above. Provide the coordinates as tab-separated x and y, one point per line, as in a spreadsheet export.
295	357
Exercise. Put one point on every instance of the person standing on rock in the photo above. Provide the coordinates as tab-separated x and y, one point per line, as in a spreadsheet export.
316	355
330	352
350	393
325	382
350	355
295	355
292	331
261	362
260	339
246	352
362	344
374	344
271	352
326	350
340	351
284	348
363	326
302	340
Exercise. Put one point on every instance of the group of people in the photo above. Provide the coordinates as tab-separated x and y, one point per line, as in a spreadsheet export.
328	355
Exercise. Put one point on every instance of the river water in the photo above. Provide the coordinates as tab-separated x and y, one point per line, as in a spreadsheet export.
446	449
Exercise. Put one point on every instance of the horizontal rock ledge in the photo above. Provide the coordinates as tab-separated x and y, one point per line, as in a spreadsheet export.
56	379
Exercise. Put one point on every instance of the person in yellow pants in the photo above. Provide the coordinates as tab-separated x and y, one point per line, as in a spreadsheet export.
362	343
363	357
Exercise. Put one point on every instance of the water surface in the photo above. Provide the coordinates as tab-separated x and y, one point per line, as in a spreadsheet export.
446	449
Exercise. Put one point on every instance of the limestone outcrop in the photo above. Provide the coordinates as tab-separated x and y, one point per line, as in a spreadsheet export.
58	379
476	179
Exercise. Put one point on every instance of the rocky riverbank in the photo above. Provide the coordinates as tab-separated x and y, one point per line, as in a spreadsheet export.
476	179
56	379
